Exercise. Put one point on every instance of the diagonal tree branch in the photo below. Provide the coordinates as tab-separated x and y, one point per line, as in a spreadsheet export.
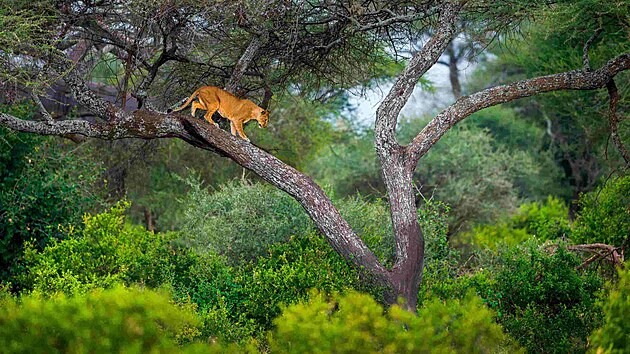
243	62
145	124
586	66
41	108
82	93
467	105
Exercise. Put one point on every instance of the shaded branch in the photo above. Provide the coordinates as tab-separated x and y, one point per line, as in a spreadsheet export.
614	121
467	105
601	251
41	108
243	62
82	93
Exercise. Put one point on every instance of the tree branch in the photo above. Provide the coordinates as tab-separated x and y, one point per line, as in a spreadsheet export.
614	120
387	112
587	45
152	125
467	105
601	250
243	62
81	91
41	108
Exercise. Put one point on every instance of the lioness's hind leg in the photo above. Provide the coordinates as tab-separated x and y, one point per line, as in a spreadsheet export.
211	108
195	106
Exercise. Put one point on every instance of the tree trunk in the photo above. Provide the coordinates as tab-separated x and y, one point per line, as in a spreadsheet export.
406	274
453	71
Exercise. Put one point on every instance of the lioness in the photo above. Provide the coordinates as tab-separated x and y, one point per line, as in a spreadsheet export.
238	111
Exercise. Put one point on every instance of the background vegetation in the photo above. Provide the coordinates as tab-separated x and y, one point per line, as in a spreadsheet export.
161	247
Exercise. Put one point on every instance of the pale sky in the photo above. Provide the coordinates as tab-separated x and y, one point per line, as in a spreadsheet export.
419	103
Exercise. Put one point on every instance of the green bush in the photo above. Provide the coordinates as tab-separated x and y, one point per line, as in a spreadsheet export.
614	336
539	296
604	214
105	321
542	300
240	302
544	221
44	188
234	302
104	252
467	170
240	220
289	271
355	323
371	220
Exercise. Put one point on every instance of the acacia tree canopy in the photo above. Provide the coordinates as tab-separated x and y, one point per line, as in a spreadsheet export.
311	48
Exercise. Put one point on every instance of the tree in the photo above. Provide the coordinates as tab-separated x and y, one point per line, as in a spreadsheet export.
340	27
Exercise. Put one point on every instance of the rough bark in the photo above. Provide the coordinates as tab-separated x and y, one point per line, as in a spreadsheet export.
407	271
243	63
467	105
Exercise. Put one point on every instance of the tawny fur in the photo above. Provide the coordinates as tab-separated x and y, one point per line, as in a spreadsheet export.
238	111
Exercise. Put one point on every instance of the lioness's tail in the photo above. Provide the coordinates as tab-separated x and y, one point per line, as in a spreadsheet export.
192	97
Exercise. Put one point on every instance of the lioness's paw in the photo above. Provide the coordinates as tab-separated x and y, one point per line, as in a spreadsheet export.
216	124
247	139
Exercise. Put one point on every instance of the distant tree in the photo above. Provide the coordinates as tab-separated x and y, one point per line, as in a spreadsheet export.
584	144
314	48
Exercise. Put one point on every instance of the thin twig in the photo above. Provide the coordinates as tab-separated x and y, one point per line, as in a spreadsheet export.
586	61
41	108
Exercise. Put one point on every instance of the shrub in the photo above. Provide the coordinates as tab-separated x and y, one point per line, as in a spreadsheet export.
543	221
43	189
240	220
103	321
605	214
542	300
355	323
371	220
104	252
546	221
614	336
289	271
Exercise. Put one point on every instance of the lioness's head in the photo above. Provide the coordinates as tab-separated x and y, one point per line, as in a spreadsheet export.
263	118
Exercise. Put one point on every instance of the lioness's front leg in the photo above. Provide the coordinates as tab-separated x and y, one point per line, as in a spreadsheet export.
239	129
232	128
